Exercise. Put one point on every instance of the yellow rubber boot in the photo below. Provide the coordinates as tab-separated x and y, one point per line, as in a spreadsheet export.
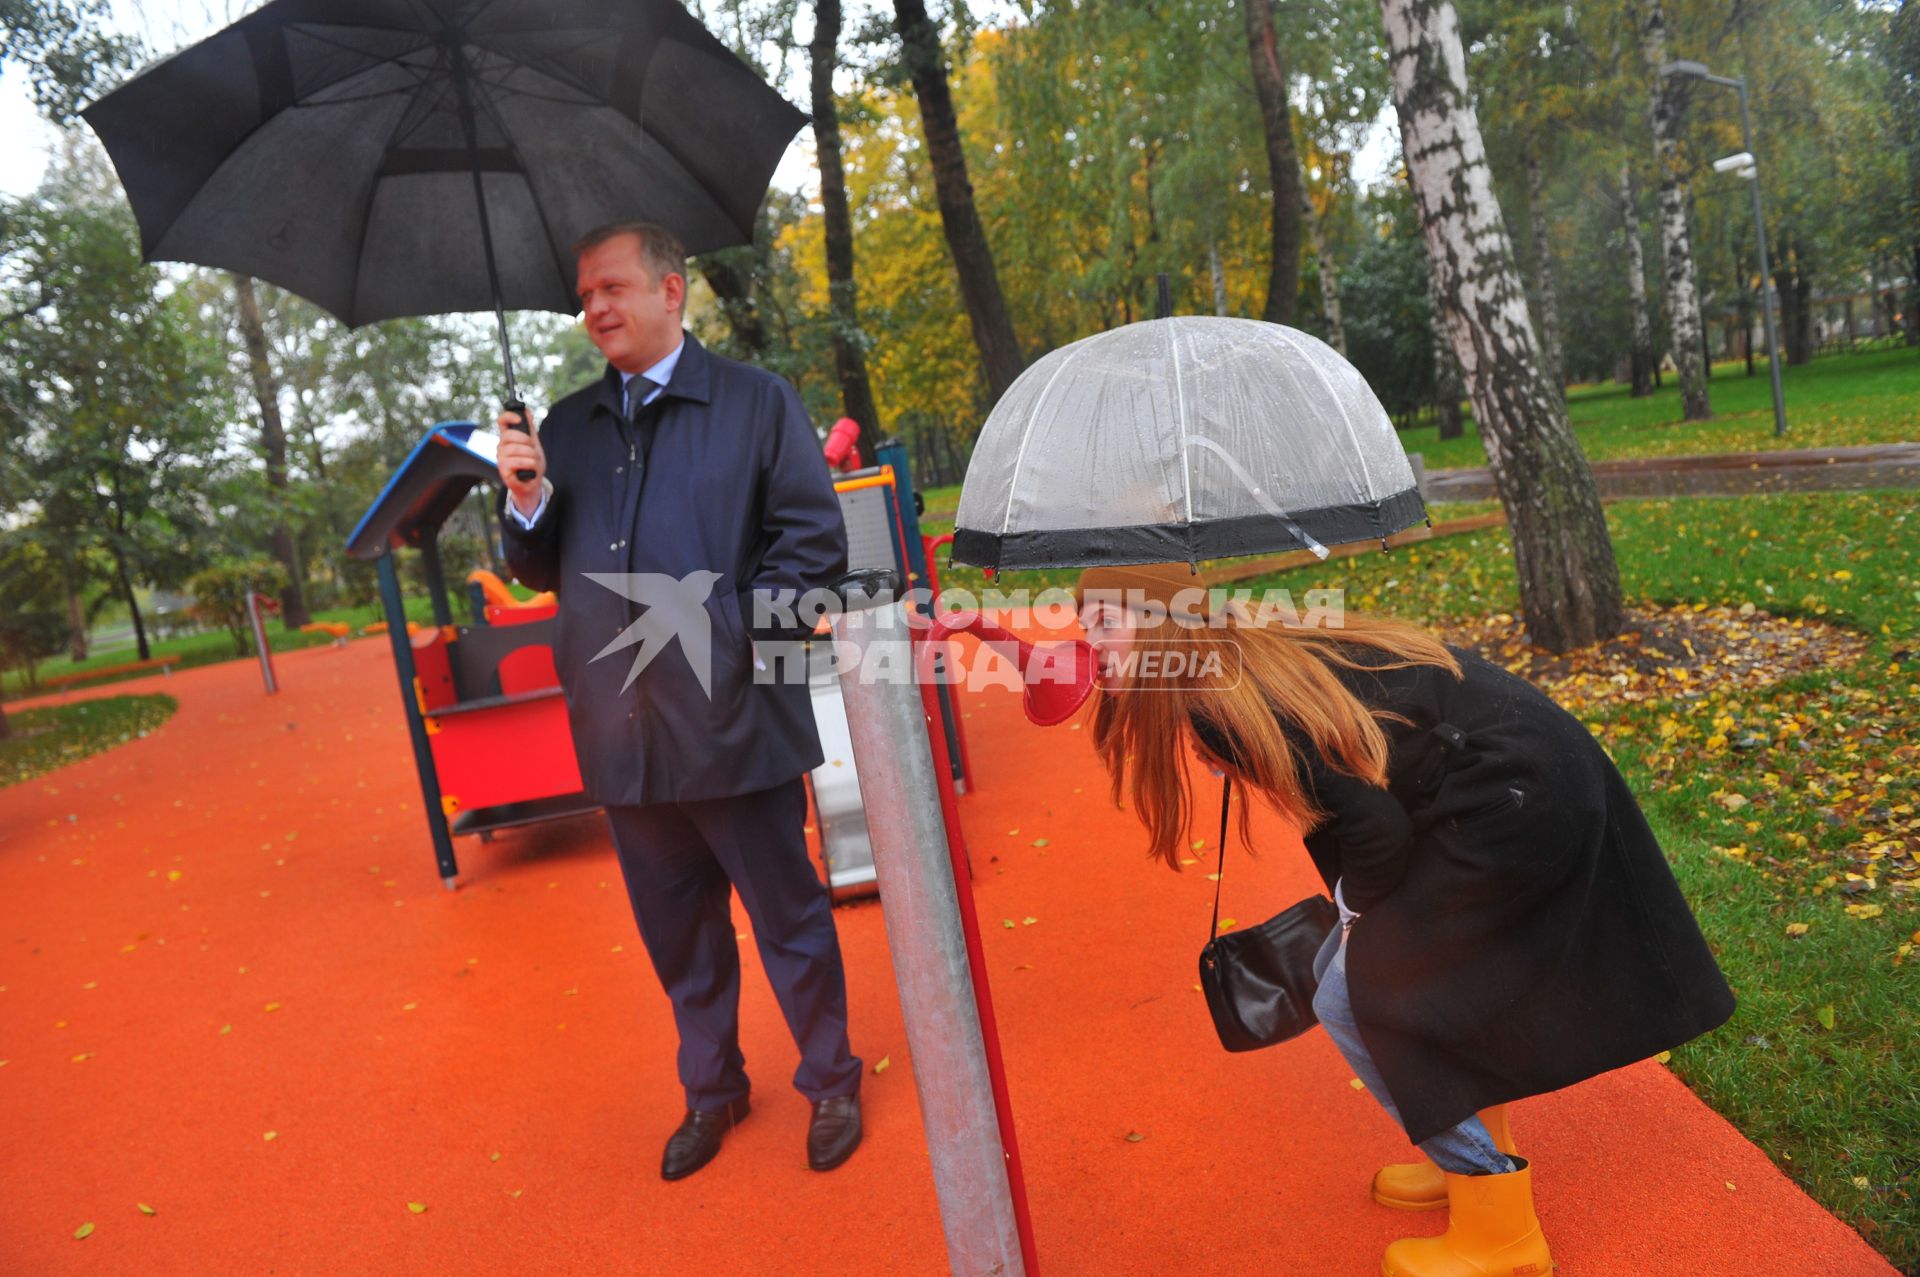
1491	1232
1421	1185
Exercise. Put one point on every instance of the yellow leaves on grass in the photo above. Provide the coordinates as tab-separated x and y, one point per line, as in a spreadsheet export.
1797	929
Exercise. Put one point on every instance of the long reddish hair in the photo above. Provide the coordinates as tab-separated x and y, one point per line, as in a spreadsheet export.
1270	692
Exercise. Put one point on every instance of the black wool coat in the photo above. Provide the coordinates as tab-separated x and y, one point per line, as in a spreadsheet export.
1520	928
734	487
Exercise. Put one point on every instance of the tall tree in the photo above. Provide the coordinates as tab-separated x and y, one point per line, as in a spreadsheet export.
1326	269
1563	555
1679	275
1901	45
67	55
114	393
926	65
1546	295
849	344
1641	356
1283	160
273	448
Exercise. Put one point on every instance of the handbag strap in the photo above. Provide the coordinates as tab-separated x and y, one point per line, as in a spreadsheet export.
1226	796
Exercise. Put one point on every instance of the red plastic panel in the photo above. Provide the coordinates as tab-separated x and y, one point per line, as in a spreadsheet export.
506	754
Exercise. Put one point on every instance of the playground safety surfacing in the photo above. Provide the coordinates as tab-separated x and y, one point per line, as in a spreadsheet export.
232	989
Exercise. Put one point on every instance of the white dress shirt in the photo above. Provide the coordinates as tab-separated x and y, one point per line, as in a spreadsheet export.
660	374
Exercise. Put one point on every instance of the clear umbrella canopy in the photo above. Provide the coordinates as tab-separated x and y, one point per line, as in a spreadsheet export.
1183	439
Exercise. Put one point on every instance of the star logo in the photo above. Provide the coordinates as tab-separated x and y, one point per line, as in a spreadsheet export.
675	608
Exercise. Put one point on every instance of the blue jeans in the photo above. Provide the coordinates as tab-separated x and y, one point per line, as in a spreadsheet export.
1466	1149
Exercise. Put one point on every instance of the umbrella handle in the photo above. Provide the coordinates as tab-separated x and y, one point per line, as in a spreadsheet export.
520	409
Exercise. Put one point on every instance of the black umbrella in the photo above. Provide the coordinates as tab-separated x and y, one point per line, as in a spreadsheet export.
369	154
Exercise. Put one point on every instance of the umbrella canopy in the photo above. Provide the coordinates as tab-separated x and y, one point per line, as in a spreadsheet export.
1182	439
336	147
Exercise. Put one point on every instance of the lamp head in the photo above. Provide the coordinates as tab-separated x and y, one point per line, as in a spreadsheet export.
1686	68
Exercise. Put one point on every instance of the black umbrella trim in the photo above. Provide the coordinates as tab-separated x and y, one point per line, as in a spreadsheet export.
1187	542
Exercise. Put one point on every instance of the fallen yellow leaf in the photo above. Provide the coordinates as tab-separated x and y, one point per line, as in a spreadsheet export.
270	1136
1797	929
145	1209
886	1062
418	1208
83	1232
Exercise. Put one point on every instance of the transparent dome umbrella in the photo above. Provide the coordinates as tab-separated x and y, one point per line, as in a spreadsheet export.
416	157
1182	439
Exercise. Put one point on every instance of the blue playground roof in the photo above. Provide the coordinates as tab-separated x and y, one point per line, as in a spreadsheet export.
429	485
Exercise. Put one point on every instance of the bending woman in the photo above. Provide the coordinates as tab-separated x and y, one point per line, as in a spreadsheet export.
1509	925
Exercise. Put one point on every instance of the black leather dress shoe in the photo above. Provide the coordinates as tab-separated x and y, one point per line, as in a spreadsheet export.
693	1144
834	1132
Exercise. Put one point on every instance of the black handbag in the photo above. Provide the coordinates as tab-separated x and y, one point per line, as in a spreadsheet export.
1259	982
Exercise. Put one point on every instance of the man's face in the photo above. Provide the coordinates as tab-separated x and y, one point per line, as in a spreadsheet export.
633	318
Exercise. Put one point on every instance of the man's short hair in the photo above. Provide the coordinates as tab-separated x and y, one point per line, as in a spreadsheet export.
660	249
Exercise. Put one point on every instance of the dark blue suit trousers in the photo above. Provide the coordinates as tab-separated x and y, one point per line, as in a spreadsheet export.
682	862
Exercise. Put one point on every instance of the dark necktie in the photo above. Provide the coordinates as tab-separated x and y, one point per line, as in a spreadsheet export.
642	416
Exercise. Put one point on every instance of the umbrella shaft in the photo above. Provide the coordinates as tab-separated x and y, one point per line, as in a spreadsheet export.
462	83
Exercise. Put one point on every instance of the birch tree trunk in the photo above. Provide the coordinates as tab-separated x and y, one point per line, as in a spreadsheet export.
1552	353
993	333
1283	160
1448	389
273	444
1219	279
1329	281
1676	244
1563	555
843	304
1643	358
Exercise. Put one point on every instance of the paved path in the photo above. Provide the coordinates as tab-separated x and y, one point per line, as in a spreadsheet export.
234	926
1890	465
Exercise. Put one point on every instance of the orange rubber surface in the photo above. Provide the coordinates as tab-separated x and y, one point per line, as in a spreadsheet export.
262	863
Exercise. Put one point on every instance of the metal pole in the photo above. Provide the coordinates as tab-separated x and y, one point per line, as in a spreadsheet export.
920	904
1766	273
260	642
462	84
396	609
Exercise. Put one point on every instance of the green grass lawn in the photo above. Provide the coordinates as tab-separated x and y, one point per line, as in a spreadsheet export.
1835	401
209	648
43	739
1807	820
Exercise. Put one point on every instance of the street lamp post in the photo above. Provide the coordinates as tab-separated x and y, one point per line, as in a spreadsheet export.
1749	171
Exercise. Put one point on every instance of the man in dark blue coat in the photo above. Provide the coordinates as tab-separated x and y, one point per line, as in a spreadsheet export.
661	499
